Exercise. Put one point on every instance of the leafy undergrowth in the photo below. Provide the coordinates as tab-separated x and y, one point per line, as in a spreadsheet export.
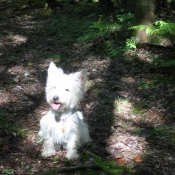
129	99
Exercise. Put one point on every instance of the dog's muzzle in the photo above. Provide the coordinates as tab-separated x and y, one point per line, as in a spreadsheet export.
56	104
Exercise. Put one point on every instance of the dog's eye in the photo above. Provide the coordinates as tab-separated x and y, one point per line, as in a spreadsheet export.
66	89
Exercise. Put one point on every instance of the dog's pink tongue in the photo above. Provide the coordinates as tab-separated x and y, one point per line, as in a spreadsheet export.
56	106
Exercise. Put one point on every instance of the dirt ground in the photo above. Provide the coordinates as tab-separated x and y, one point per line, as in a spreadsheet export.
129	124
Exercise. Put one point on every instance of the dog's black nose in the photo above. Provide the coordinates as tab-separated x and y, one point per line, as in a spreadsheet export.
55	98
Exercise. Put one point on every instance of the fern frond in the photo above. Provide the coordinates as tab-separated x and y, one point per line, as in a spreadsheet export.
159	28
149	29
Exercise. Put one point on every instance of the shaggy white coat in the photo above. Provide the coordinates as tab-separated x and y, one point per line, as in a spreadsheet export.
63	126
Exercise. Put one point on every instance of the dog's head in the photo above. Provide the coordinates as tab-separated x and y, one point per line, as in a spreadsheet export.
64	90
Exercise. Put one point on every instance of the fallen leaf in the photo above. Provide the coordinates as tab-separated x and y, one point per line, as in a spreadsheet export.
137	159
30	64
118	157
121	161
148	82
13	164
5	148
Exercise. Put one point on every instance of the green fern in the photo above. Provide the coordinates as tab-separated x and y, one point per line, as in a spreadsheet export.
149	29
159	28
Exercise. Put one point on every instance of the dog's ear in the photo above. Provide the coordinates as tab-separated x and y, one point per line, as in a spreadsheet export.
81	77
53	70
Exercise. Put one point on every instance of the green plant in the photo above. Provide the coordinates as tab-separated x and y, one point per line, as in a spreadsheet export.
56	159
114	52
149	84
160	131
5	124
7	171
71	28
46	11
108	167
101	29
124	17
139	108
54	56
159	28
161	62
91	29
138	111
130	43
141	104
3	118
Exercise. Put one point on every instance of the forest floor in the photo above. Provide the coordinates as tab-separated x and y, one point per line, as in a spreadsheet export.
129	103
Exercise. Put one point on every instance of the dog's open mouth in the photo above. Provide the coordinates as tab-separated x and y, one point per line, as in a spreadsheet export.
56	105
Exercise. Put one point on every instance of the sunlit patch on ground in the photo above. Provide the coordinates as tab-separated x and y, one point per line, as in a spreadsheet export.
18	39
123	108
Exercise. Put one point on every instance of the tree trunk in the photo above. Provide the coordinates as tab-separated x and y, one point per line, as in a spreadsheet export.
144	15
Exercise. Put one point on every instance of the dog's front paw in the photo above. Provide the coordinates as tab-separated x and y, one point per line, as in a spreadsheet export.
72	155
48	153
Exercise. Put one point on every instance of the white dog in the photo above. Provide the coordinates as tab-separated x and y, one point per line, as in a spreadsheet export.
63	125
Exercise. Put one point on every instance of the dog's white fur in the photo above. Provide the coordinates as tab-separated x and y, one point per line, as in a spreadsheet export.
63	125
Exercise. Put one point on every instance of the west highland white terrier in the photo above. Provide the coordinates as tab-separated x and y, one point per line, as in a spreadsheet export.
63	125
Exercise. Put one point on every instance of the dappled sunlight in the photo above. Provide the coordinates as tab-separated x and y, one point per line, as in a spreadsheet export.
18	39
127	145
13	40
128	80
123	108
129	95
16	70
137	113
129	138
5	98
141	55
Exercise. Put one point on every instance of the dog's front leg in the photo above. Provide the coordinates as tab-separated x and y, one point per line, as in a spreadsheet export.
72	145
48	148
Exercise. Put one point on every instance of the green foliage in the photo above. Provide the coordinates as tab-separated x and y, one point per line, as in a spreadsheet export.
46	11
108	167
130	43
7	171
56	56
146	84
161	62
70	28
56	159
125	17
141	105
157	32
84	29
160	131
114	52
149	29
101	29
5	124
160	29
